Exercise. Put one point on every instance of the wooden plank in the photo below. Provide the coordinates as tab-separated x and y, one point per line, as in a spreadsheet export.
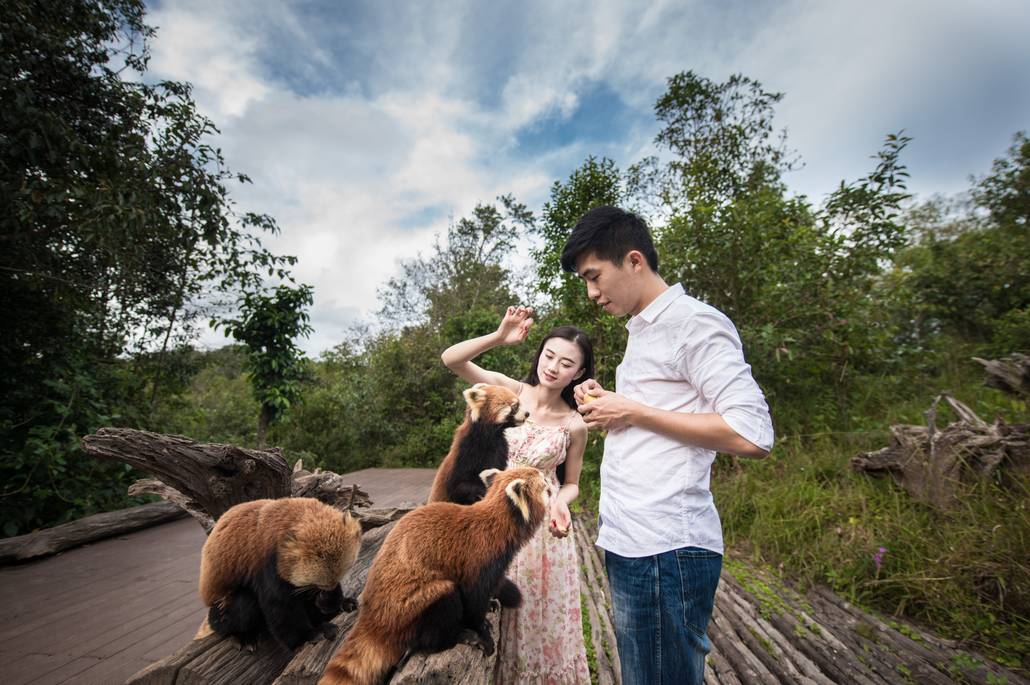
394	487
57	583
35	666
164	621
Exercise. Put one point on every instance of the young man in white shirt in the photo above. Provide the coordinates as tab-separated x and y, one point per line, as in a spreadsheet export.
682	393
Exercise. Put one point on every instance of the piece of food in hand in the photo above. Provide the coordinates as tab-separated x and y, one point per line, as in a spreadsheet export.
587	398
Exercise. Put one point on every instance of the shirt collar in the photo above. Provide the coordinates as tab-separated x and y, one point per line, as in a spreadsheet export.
658	305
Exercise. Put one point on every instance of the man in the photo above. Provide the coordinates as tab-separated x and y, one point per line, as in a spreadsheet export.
682	393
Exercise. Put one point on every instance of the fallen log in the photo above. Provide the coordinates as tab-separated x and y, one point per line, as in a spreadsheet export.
49	541
596	596
821	638
933	465
1010	374
208	479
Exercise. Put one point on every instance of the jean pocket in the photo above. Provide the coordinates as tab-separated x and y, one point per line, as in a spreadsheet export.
699	571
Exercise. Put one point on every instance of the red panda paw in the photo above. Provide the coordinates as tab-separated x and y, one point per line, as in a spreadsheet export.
477	639
329	630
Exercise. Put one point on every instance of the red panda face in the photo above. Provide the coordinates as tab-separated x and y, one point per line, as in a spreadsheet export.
525	488
494	404
320	550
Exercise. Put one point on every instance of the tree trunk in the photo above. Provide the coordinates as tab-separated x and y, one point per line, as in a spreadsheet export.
87	529
264	419
207	479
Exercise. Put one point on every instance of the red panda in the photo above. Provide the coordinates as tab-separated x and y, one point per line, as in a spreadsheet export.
430	585
478	444
277	563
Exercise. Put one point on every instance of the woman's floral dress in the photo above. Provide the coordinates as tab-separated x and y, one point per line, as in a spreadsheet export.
541	642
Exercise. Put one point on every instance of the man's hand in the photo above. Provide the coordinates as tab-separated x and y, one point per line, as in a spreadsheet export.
587	391
610	411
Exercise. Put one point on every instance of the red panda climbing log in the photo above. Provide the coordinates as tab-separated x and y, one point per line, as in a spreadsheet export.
430	585
277	564
478	444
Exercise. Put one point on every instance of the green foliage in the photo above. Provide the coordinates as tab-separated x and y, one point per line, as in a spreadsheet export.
597	182
216	405
792	278
268	325
963	573
965	275
117	218
384	398
722	137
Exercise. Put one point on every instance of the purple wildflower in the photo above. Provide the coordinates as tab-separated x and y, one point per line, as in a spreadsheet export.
878	558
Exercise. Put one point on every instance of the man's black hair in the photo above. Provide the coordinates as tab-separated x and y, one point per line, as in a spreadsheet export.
609	233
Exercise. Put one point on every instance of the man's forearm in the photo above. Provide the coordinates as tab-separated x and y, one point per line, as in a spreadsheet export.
709	431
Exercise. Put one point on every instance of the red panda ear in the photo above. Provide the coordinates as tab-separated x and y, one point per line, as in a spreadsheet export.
487	476
474	398
516	492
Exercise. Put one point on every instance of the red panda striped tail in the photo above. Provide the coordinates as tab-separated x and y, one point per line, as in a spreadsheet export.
361	660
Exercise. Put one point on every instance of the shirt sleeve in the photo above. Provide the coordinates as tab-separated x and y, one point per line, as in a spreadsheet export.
712	360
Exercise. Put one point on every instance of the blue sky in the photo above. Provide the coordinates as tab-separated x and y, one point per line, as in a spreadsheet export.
365	125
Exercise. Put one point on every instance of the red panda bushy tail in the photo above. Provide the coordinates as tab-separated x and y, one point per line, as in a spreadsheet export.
361	660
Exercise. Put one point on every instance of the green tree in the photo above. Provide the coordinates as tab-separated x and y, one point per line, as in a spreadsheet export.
722	137
792	277
964	275
117	219
382	397
595	183
269	325
464	273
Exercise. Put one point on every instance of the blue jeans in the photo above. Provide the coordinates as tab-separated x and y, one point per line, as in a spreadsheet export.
662	604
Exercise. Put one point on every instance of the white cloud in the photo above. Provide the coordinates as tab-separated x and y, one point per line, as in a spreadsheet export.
197	48
364	132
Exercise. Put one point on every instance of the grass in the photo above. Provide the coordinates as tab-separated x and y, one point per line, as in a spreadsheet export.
964	574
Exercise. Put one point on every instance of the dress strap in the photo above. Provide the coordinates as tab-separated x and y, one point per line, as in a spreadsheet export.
568	420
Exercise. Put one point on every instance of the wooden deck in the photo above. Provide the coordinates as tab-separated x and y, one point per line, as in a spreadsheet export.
99	613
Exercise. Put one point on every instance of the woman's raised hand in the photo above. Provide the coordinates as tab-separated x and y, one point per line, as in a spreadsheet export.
515	325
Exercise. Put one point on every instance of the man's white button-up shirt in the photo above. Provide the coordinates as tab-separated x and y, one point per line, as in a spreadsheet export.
683	356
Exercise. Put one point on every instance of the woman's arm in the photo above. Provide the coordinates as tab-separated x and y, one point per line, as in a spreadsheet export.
561	518
513	329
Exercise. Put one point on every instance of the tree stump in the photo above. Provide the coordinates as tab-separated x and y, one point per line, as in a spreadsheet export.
932	465
1010	374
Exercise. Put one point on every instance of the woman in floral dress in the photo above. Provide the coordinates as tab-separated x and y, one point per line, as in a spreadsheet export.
542	641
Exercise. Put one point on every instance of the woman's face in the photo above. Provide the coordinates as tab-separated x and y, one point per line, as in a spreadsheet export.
561	362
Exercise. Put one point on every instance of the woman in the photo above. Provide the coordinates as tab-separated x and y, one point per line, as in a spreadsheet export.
541	642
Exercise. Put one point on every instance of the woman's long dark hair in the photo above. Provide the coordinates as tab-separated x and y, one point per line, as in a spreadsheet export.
572	334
